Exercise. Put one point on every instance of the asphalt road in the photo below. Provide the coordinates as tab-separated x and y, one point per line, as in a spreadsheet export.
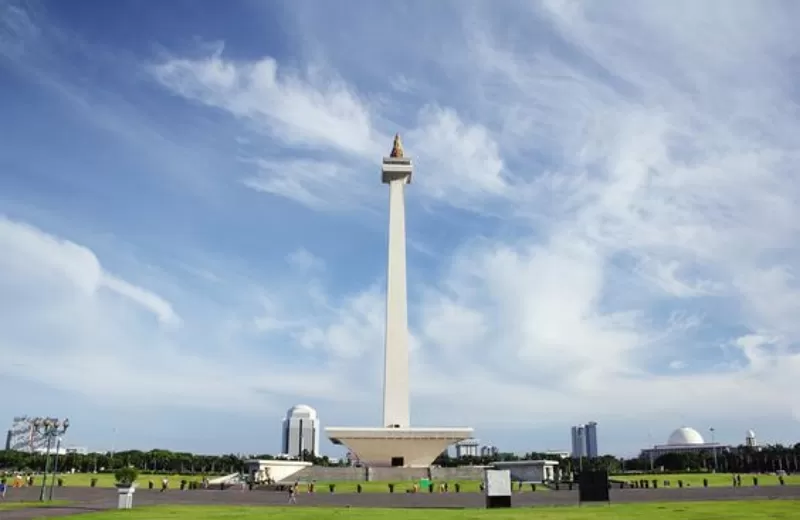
97	499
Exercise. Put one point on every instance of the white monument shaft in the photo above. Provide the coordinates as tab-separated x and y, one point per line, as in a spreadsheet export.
395	386
396	443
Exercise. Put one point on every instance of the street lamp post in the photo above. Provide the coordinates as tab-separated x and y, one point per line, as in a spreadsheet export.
55	469
714	448
49	428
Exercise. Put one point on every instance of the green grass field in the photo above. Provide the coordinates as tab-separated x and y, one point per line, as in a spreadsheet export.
689	479
744	510
714	479
108	480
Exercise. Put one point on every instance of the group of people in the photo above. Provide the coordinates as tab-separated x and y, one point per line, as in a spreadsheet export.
18	482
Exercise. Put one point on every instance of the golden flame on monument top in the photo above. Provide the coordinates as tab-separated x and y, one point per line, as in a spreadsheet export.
397	148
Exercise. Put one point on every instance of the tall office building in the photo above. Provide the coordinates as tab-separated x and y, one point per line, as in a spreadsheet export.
590	433
301	431
584	440
578	442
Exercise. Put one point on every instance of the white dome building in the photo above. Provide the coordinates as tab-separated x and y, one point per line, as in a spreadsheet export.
300	431
685	436
683	440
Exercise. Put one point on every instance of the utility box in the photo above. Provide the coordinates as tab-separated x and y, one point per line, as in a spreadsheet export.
497	488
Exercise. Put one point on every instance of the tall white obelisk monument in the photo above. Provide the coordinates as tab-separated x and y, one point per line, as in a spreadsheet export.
396	172
396	443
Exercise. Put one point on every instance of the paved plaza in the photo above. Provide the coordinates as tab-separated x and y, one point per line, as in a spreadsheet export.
97	499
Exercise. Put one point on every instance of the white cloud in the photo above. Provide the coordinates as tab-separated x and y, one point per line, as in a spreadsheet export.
305	261
457	160
313	183
59	304
143	297
458	163
355	331
308	108
31	253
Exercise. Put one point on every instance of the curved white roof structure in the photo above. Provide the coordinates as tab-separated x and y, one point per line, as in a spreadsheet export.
301	410
685	436
750	434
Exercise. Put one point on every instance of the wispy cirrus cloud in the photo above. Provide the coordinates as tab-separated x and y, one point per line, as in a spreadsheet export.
342	131
308	109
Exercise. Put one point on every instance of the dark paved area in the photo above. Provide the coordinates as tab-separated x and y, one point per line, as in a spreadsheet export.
89	499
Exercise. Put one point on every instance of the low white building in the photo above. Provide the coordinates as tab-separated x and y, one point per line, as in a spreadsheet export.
271	471
467	448
63	450
532	471
683	440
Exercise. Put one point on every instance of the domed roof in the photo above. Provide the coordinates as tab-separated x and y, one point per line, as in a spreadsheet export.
685	435
301	410
751	434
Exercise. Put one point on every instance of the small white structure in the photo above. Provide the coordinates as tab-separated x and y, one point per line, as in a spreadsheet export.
750	439
264	471
397	443
560	454
125	497
497	487
300	431
530	471
467	448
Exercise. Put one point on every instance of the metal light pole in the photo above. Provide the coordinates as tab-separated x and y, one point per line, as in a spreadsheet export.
46	467
714	448
49	428
55	469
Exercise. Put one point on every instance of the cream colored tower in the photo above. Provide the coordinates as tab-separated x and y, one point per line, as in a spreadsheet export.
396	443
396	172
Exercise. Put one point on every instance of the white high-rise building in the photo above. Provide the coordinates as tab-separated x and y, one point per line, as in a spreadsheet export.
301	431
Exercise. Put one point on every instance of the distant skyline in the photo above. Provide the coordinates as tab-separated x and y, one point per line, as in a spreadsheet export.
603	221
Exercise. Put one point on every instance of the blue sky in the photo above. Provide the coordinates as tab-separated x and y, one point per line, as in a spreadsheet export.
602	224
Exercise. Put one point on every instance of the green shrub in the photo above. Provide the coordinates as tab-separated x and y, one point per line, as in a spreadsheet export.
126	476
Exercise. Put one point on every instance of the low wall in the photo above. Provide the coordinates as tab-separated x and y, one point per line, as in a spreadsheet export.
396	474
333	474
460	473
383	474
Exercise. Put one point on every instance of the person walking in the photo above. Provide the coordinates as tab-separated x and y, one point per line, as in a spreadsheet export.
293	494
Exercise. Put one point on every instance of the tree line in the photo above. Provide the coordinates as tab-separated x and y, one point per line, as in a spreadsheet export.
741	459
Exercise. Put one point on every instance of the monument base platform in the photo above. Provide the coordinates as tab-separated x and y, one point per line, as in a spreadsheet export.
399	447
